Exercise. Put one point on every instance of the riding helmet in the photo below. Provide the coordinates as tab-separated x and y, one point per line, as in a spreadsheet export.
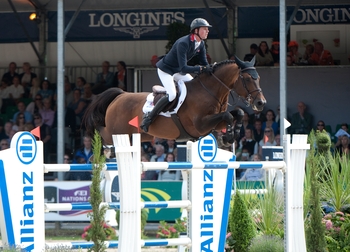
199	22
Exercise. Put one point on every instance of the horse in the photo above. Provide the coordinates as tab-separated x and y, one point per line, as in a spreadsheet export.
202	112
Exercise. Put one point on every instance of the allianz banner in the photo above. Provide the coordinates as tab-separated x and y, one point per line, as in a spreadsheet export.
129	25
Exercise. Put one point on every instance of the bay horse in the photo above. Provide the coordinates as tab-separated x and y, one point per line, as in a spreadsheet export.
203	110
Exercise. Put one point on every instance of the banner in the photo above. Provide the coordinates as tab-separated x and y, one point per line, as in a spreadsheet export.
79	191
265	21
130	25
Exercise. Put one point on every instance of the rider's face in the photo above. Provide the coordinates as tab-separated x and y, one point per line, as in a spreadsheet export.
203	32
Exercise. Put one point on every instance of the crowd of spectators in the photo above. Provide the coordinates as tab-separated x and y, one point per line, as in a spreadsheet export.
26	102
313	54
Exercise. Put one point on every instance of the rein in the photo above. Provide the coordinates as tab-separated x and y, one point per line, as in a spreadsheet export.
246	100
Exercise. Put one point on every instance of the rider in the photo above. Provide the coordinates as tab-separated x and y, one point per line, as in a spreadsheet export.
174	65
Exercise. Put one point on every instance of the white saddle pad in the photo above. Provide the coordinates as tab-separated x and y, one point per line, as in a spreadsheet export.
148	106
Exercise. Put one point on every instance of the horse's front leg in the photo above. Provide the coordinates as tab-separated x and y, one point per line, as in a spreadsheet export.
237	114
212	122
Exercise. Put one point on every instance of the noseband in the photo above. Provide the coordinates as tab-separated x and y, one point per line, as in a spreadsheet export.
247	100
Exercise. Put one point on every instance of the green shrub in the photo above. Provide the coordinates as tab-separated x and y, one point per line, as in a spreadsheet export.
315	230
241	225
267	243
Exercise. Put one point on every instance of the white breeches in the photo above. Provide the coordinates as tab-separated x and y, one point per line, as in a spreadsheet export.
168	82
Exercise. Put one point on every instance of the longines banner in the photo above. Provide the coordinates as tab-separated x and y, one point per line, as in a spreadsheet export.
134	25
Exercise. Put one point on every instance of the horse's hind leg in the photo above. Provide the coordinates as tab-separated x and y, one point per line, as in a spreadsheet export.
106	136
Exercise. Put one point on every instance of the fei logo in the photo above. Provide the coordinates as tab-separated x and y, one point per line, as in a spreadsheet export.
207	148
26	148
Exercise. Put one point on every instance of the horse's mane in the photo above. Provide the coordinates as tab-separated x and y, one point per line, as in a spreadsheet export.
222	63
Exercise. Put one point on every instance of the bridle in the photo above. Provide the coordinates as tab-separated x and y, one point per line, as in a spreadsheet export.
247	100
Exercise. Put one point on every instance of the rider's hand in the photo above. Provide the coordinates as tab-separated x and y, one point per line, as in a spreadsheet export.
206	69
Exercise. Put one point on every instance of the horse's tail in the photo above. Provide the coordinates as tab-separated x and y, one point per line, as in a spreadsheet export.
94	116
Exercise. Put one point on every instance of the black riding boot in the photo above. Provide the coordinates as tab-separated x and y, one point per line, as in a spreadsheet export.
149	117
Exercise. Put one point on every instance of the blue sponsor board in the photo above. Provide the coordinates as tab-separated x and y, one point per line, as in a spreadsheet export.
133	25
256	22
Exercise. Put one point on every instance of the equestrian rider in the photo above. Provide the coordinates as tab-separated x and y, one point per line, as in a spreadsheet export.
173	66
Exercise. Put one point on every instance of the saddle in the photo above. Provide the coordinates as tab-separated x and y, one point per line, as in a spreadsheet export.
159	91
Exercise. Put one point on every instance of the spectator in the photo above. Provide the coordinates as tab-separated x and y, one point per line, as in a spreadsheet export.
67	159
264	57
16	91
270	121
159	156
78	104
301	121
45	134
35	105
278	139
345	127
154	60
148	175
170	146
22	109
120	79
80	84
256	158
321	56
68	93
253	51
4	95
344	148
47	113
257	115
11	73
45	90
248	143
245	124
19	123
293	47
254	174
169	174
321	127
26	78
7	131
309	50
104	80
35	88
268	140
83	156
4	144
244	154
258	132
289	61
275	52
88	96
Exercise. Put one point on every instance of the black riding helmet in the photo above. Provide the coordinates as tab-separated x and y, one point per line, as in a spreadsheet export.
199	22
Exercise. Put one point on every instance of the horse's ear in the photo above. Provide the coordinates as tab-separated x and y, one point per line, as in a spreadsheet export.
239	62
252	62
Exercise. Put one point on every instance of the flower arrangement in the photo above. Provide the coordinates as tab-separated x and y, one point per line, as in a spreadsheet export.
165	230
337	231
107	229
